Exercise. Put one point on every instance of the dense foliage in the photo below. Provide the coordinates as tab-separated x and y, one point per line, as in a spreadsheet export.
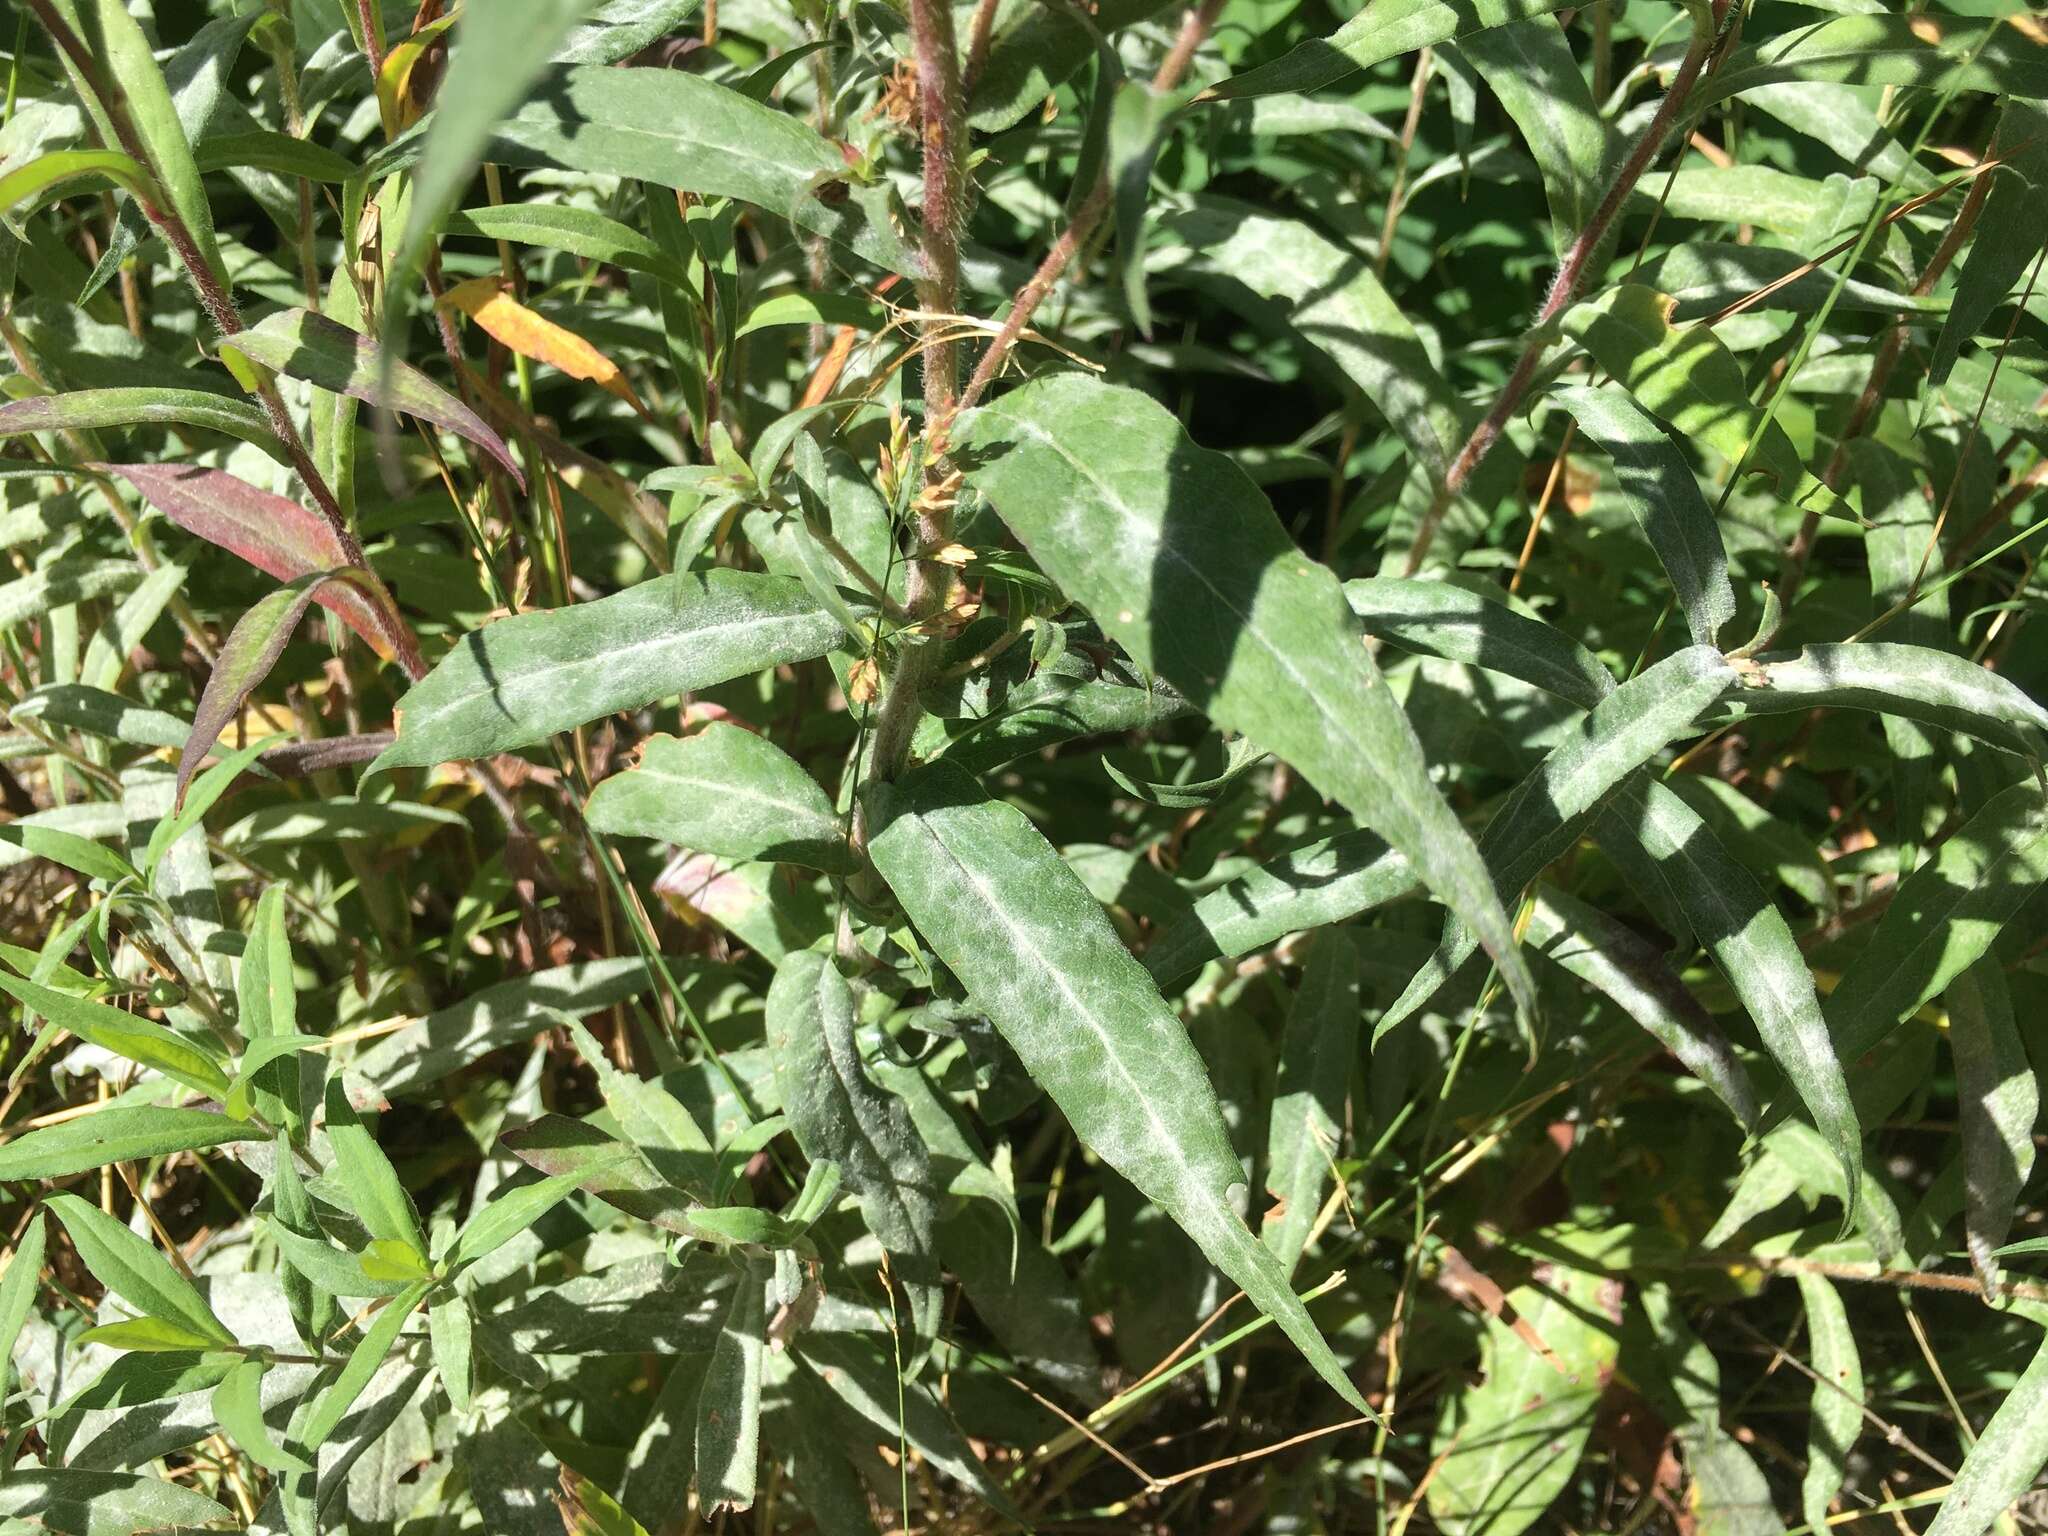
810	766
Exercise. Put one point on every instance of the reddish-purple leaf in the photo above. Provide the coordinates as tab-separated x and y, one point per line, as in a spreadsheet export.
303	345
252	649
272	533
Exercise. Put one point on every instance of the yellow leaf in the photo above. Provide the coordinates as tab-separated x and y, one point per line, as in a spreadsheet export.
485	301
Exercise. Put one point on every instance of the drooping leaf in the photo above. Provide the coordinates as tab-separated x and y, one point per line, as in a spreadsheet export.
522	679
1837	1396
118	1135
1665	500
1750	942
728	1441
1457	623
303	345
532	335
726	791
681	131
1209	591
1934	687
1529	66
238	1405
1998	1099
63	165
373	1185
838	1114
1316	1057
133	1270
1037	955
77	853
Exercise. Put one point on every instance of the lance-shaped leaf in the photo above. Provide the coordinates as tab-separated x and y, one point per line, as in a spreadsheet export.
272	533
1634	975
18	1289
251	650
679	130
1208	590
74	1499
302	345
377	1342
2008	230
113	1029
1317	1052
1837	1396
1034	48
726	791
1656	836
579	231
119	1135
84	410
728	1440
374	1189
133	1270
62	165
2006	1459
510	1214
487	301
522	679
1383	30
238	1404
1324	882
1038	956
1456	623
1944	916
1939	53
838	1114
1998	1098
1530	68
1544	815
1917	682
1665	499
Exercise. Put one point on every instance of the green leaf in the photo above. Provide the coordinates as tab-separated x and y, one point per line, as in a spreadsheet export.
96	712
1944	916
449	1335
267	1006
1998	1099
1545	813
1317	1052
1684	377
138	1040
1665	500
190	810
334	1270
495	59
84	1503
726	791
1477	627
374	1190
1209	591
579	231
238	1405
1915	682
302	345
1038	956
2006	1459
377	1342
522	679
80	854
1508	1446
620	1175
1530	68
148	1335
1936	53
88	410
1383	30
1324	882
117	1135
59	166
685	132
838	1114
1138	120
2008	231
1752	944
18	1289
263	149
1632	973
729	1404
61	583
1034	48
512	1213
1837	1396
129	1267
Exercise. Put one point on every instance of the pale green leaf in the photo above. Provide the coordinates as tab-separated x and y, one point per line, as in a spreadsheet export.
1837	1396
1998	1099
133	1270
1317	1053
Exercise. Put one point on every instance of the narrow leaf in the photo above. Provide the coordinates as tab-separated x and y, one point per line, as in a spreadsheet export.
372	1184
1317	1053
133	1270
1039	957
1530	68
2008	231
1382	30
495	311
377	1342
117	1135
1998	1100
88	410
1456	623
1917	682
2006	1459
137	1039
238	1404
729	1403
